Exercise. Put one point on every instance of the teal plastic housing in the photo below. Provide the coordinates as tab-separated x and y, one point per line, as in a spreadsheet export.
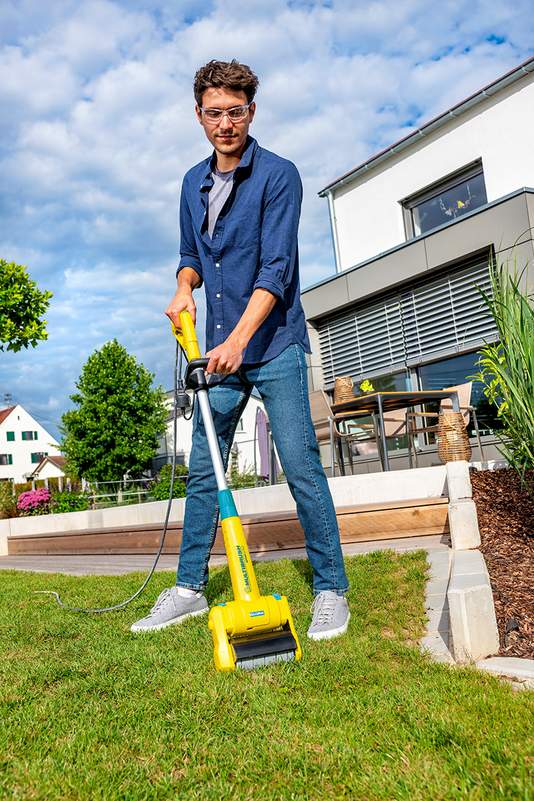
226	504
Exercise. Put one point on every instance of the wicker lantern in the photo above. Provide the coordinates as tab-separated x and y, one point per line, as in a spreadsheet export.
453	442
343	389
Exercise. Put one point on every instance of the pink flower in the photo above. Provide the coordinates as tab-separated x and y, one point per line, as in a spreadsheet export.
33	500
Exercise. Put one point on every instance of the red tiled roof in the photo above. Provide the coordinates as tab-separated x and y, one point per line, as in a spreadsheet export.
5	413
59	461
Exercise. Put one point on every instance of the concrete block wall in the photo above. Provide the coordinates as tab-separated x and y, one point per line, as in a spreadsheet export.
463	520
473	624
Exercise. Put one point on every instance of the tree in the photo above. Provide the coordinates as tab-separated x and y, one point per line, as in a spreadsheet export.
114	429
22	305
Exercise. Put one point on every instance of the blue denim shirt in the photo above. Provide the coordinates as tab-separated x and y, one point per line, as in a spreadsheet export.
254	245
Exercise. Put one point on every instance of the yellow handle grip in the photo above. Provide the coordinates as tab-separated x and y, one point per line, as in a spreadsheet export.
187	336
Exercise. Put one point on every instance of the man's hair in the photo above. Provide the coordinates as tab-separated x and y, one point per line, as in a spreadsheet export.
225	75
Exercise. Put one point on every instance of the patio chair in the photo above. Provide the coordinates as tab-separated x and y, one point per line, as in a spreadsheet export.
329	427
394	426
468	411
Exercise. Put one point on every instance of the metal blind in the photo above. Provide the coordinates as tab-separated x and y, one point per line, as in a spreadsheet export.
406	327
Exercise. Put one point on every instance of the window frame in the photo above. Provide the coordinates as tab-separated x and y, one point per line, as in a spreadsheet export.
449	181
9	459
10	436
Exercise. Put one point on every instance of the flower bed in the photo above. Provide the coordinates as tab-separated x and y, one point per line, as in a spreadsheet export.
506	521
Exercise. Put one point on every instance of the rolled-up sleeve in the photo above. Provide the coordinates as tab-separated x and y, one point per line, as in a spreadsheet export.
188	247
279	231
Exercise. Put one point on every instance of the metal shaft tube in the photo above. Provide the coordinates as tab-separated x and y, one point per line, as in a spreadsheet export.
213	442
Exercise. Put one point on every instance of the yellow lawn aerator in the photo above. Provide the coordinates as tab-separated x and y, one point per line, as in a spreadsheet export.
253	630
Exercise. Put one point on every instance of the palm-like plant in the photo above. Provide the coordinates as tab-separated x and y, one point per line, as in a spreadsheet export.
507	366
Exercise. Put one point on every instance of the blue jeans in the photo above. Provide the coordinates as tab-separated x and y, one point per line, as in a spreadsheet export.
283	386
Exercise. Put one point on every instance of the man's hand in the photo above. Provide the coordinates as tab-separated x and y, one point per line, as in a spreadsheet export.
226	358
182	301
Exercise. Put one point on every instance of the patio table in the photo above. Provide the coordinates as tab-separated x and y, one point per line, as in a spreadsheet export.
376	403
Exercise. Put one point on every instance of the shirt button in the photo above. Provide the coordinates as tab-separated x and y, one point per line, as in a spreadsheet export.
218	326
217	263
218	295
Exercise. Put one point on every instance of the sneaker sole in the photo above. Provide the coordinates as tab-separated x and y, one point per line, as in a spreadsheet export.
173	622
331	633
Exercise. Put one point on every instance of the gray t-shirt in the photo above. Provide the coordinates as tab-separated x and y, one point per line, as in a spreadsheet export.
219	193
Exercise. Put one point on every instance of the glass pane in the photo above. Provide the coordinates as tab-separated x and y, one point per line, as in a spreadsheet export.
11	436
456	370
394	382
450	204
386	383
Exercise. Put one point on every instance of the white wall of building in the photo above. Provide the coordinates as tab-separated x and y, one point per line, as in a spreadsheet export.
17	421
367	212
49	470
244	437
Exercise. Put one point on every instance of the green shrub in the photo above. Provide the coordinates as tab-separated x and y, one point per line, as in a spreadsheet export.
161	487
507	366
24	486
69	502
8	502
244	479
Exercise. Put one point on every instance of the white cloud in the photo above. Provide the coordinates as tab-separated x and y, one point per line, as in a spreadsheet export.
97	98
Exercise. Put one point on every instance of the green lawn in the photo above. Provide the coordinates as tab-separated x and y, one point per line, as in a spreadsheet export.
90	711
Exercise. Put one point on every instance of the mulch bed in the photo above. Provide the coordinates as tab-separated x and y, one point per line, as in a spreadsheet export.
506	520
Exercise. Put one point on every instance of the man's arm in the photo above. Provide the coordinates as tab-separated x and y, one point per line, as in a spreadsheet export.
189	273
228	356
188	279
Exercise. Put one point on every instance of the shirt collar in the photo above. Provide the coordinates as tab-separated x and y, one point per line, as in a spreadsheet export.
245	164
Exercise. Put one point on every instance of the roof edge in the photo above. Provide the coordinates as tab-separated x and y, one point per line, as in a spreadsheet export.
527	190
436	122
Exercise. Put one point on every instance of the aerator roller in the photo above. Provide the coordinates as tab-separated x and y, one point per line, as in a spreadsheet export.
253	630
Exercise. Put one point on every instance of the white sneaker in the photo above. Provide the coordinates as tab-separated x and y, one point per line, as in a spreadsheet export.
330	616
171	608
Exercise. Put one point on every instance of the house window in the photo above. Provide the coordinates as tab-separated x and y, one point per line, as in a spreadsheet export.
29	435
445	201
240	426
10	436
6	458
431	319
457	370
36	457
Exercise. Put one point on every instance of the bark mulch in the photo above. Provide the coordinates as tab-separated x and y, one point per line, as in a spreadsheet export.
506	520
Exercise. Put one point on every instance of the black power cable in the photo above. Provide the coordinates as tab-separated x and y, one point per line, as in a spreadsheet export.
179	401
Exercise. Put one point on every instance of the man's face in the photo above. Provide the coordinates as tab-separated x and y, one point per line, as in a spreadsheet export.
227	136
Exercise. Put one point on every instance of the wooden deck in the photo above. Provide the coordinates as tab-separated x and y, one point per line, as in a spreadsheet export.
267	532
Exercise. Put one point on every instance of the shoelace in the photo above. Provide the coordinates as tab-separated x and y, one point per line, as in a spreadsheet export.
162	597
323	609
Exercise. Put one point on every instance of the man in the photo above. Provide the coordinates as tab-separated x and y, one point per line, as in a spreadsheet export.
239	216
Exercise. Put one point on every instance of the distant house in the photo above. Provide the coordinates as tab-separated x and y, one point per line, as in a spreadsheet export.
49	467
24	443
413	228
244	440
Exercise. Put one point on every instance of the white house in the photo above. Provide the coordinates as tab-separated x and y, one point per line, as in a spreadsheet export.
474	153
414	228
244	440
23	444
51	466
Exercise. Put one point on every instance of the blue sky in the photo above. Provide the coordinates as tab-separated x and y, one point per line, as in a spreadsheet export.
98	130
